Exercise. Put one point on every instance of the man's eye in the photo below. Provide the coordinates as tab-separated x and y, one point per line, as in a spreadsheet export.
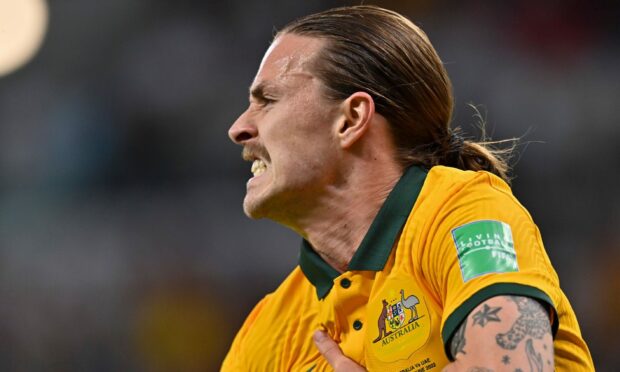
266	101
261	101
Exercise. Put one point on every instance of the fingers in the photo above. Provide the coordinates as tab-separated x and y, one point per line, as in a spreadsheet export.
328	347
333	354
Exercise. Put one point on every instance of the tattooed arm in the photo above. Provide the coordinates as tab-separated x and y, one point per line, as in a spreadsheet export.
504	333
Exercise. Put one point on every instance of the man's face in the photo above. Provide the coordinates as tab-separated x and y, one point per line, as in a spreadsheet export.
288	131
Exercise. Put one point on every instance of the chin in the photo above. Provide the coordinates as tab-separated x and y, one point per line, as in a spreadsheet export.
259	208
271	204
253	208
251	213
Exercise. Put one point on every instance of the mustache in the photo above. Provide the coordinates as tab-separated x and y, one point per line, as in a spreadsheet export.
250	153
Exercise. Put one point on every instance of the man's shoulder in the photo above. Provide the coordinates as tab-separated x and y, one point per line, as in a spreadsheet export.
441	179
447	186
292	294
295	288
455	176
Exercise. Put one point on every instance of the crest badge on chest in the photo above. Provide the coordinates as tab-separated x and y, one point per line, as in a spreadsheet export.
403	321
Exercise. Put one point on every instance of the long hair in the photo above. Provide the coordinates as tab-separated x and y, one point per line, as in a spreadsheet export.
381	52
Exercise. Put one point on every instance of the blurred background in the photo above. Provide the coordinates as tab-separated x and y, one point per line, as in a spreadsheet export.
123	245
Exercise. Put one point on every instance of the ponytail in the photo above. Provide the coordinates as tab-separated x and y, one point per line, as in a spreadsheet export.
487	156
466	154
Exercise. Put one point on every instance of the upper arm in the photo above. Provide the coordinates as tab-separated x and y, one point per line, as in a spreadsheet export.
504	332
483	244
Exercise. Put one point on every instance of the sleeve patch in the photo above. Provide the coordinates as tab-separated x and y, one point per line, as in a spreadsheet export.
484	247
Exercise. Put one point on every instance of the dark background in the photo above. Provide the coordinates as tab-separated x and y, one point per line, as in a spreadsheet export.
123	245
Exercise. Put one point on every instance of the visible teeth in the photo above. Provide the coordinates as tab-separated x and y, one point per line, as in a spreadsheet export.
258	167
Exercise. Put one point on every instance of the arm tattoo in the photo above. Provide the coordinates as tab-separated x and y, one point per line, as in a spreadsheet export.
458	340
487	314
534	358
533	321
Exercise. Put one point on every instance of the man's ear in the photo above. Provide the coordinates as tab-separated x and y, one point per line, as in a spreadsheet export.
358	111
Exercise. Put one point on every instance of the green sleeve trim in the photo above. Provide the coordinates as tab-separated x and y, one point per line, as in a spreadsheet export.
497	289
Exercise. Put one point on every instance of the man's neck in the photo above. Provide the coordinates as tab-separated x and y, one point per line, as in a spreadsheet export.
336	228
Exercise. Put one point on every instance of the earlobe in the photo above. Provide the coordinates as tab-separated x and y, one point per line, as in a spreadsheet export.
358	111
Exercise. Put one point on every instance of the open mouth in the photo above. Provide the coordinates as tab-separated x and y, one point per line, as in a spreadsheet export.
258	167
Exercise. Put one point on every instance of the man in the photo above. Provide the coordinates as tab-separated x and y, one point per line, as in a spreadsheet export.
415	254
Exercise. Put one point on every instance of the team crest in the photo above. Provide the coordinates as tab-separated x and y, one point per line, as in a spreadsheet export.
403	321
393	314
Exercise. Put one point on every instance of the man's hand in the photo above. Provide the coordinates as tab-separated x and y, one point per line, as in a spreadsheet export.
331	351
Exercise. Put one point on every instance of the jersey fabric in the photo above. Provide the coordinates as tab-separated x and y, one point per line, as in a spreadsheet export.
444	241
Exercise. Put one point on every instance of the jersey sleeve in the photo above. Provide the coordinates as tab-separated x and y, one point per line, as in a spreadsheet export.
234	359
483	243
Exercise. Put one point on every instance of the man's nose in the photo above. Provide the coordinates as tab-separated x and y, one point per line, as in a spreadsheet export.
242	130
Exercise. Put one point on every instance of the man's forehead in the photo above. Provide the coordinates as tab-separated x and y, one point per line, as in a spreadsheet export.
289	55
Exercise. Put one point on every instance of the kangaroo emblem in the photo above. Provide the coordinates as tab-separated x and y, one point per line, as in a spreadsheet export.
381	323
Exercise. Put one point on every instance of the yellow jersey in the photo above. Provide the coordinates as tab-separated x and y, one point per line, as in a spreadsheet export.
444	241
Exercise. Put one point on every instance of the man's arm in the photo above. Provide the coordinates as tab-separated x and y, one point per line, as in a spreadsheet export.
504	333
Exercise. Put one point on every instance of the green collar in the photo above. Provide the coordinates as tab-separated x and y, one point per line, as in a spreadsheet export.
376	246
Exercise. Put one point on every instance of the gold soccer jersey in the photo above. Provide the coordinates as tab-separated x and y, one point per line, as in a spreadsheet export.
443	242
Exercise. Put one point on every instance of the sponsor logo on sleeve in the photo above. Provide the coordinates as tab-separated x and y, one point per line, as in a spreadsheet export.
484	247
